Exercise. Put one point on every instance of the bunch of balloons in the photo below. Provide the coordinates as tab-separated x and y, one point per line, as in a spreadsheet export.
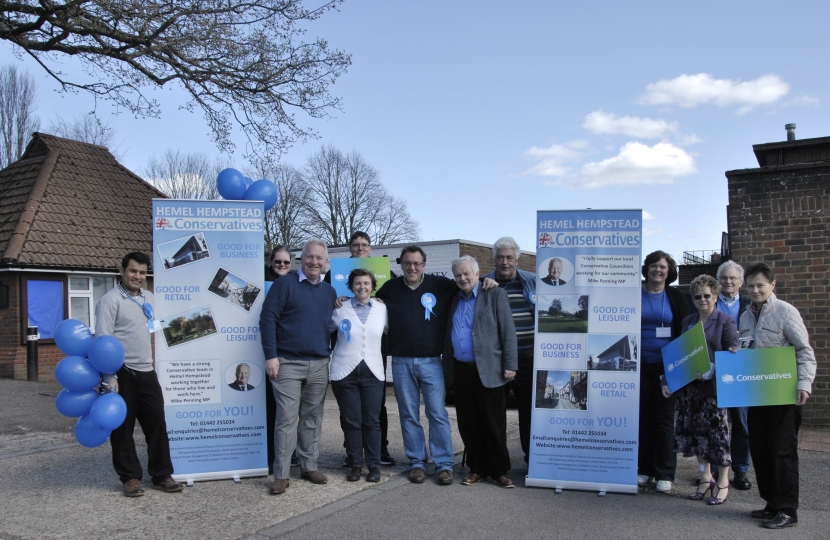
80	375
235	186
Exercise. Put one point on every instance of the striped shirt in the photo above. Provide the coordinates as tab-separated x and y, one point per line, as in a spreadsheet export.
524	316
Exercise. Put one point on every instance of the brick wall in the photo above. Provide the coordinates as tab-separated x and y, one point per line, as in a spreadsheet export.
779	215
687	272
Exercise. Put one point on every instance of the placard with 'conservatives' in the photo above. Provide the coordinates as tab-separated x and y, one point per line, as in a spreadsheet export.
684	357
753	377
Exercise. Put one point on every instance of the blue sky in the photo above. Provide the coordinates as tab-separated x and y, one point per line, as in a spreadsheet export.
480	113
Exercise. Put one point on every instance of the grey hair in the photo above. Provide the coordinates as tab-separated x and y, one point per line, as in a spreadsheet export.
506	242
731	264
240	365
315	242
466	258
702	281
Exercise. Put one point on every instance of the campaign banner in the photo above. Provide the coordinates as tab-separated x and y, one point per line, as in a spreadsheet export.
586	359
753	377
341	268
208	266
684	357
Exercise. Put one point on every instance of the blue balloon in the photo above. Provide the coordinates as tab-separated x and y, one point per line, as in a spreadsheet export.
88	434
75	404
231	184
263	190
73	337
109	411
76	374
106	354
248	181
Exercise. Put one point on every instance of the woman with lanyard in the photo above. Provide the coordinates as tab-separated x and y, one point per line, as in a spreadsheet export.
663	309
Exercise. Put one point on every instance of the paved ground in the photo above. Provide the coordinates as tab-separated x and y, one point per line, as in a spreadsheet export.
53	488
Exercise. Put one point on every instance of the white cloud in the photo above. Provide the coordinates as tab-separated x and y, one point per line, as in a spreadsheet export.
636	164
555	159
648	216
601	122
692	90
805	101
652	232
686	140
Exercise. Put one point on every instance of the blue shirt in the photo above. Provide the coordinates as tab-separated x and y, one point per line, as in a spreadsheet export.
732	308
462	326
362	310
656	313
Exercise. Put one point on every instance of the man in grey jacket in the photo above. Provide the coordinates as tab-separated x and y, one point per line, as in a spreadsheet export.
481	344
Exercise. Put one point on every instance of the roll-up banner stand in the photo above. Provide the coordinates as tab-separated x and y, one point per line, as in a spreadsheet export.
587	350
208	268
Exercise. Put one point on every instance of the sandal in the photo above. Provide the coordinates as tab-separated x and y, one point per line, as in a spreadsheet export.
698	495
715	500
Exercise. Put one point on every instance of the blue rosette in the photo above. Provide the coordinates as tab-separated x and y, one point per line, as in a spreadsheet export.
428	301
345	327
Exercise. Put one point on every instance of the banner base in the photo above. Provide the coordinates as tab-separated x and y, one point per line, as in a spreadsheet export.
559	485
219	475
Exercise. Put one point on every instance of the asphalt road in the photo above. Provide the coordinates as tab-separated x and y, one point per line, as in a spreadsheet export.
53	488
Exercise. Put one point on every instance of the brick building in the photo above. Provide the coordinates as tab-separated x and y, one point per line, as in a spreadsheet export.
779	213
68	213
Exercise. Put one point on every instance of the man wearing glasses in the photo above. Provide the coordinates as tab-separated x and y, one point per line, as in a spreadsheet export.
418	308
731	276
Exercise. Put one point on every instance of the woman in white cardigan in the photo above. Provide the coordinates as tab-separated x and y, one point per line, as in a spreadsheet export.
357	375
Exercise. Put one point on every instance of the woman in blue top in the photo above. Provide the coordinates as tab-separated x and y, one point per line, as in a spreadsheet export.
663	309
701	427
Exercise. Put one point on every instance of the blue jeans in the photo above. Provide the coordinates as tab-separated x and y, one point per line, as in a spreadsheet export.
740	439
413	376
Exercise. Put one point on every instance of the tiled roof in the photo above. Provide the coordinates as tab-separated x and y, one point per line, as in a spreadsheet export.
68	204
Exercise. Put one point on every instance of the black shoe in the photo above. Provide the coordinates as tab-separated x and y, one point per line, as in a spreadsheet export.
780	521
354	474
386	460
766	513
374	475
741	481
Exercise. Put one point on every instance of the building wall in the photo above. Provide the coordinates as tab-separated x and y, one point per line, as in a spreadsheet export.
779	215
440	255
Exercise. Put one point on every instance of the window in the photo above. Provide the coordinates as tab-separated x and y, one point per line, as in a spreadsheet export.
84	293
44	305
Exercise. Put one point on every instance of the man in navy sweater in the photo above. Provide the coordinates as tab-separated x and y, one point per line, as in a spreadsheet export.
294	326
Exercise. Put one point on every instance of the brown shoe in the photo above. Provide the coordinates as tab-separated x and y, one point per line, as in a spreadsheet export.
279	486
417	476
169	485
471	480
132	488
504	482
315	477
445	478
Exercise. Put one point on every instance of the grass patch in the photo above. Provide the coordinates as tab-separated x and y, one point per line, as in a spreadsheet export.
562	325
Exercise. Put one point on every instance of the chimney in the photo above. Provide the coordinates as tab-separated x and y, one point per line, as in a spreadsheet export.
790	131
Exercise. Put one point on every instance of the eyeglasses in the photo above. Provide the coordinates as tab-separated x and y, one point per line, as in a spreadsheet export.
363	245
410	264
699	296
507	258
281	263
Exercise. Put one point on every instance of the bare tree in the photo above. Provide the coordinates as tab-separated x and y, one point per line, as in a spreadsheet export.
285	223
346	195
17	113
184	175
87	128
243	62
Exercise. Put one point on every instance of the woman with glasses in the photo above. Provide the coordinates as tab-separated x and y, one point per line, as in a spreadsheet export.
701	427
277	265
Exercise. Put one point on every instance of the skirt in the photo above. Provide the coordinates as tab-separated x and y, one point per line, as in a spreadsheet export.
701	428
